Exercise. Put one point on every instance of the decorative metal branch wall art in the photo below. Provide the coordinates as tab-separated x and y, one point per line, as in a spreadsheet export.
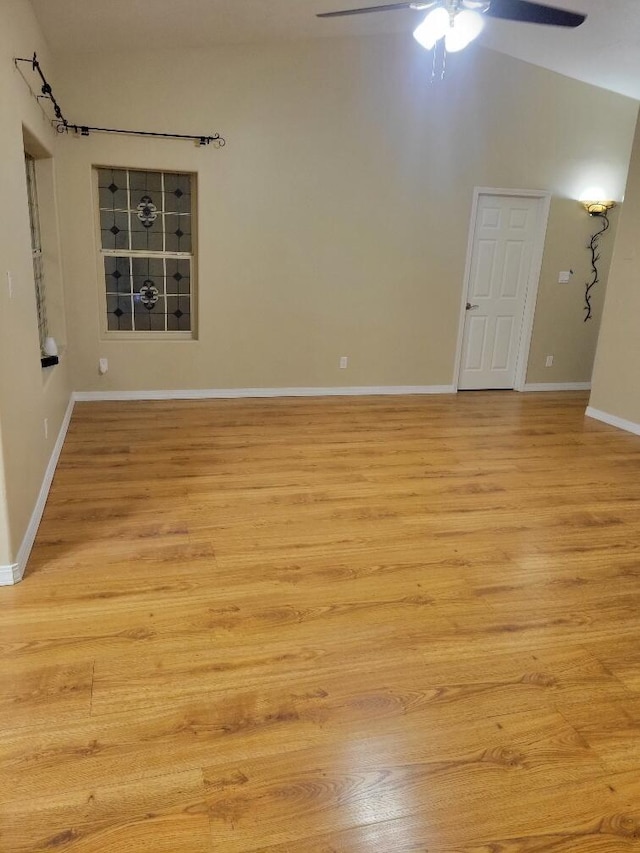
598	209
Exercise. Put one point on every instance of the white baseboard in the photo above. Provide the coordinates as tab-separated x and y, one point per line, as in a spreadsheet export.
10	574
235	393
557	386
13	573
613	420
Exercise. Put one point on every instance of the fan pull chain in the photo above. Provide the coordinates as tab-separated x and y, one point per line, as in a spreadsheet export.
439	57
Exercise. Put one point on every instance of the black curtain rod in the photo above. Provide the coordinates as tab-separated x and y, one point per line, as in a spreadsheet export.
63	126
85	130
46	88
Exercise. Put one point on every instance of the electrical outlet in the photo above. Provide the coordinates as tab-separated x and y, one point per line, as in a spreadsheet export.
344	361
548	362
564	277
103	366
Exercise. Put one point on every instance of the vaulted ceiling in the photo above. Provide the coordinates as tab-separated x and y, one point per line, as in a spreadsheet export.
604	51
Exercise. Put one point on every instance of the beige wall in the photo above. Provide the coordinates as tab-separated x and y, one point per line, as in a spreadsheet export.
335	221
616	375
28	394
6	557
560	329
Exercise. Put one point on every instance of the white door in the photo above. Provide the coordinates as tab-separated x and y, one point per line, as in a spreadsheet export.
505	237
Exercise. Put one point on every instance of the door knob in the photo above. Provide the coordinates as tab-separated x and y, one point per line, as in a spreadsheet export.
471	307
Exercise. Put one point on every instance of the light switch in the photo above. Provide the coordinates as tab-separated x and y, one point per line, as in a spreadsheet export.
564	277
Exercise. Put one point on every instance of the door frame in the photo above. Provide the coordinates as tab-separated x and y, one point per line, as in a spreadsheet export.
533	281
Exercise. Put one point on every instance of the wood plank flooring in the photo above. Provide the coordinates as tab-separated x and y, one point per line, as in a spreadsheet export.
329	626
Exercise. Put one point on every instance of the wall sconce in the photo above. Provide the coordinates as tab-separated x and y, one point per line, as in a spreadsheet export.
598	208
595	205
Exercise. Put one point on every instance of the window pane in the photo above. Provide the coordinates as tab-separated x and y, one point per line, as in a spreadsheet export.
146	207
177	193
148	267
179	276
178	232
113	199
178	313
112	189
149	316
144	182
114	227
119	317
148	279
116	275
177	205
179	182
32	198
40	299
116	177
146	239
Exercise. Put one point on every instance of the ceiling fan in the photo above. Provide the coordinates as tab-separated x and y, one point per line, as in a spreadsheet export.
458	22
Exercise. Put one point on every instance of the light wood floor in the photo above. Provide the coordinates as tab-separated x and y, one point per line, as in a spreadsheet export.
406	625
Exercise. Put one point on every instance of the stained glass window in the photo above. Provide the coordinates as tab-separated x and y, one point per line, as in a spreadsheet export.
146	230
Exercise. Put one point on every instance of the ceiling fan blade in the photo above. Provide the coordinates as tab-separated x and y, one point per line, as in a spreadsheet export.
534	13
388	8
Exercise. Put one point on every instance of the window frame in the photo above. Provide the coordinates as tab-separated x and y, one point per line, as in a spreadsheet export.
141	335
37	255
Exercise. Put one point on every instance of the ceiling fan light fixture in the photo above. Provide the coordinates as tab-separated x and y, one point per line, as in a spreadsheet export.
434	27
477	5
465	27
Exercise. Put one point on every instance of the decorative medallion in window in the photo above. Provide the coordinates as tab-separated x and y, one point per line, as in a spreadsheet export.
146	228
